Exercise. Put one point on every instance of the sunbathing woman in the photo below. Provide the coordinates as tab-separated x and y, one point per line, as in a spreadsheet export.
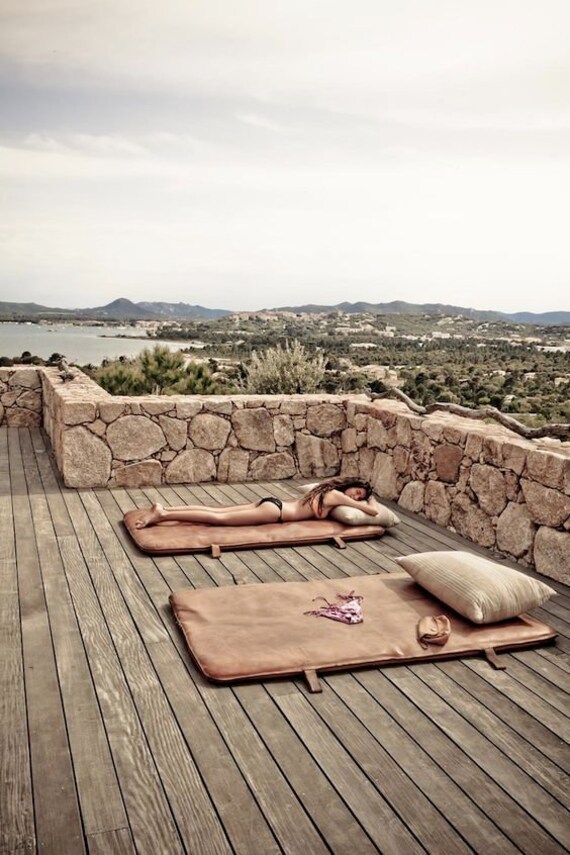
316	504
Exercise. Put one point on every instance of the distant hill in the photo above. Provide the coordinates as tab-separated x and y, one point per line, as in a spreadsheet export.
400	307
182	310
125	310
118	310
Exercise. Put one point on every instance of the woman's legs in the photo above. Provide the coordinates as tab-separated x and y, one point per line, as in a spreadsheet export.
249	514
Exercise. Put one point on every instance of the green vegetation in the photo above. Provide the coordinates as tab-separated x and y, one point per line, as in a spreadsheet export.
285	370
159	372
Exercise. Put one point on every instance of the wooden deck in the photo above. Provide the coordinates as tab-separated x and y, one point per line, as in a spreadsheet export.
112	742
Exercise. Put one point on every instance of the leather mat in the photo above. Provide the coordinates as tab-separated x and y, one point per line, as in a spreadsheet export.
261	630
169	538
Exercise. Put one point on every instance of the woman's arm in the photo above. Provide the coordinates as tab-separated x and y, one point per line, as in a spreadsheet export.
336	498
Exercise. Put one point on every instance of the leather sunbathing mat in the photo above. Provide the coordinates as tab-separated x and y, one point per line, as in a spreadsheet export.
168	538
260	630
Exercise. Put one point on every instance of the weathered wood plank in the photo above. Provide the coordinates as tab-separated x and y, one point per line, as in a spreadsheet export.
239	812
436	783
116	589
116	842
148	812
381	823
16	806
497	765
99	795
58	820
433	731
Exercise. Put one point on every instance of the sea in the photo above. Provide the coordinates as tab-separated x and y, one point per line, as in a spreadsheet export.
80	344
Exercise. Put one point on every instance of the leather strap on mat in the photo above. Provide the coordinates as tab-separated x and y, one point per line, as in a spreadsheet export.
493	659
313	681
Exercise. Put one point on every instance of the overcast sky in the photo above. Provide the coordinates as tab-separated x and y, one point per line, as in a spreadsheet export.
251	153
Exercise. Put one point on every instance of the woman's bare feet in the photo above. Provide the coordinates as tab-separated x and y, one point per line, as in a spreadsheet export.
152	517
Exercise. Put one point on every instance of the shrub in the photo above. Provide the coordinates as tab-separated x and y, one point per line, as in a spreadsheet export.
285	370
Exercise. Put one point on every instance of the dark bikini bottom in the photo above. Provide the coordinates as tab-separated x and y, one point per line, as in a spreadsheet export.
274	501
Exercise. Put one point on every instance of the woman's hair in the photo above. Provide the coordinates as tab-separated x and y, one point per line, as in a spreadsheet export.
343	484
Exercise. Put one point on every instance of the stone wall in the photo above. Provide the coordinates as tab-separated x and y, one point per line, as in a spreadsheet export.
102	440
20	397
492	487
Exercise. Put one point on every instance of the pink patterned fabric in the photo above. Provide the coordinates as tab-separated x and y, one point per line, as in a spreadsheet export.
349	612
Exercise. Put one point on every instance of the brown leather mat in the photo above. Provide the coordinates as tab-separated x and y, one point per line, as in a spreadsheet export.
262	630
168	538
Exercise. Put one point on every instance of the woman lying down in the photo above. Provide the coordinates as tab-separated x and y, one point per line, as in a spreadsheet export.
316	504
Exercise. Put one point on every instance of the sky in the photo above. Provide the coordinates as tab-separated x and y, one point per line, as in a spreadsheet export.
243	154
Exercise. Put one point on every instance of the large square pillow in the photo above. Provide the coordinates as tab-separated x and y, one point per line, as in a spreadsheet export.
353	516
481	590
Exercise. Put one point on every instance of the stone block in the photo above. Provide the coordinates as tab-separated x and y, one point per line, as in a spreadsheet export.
545	467
446	459
28	378
175	431
474	446
31	400
20	418
78	412
1	414
437	504
317	457
401	459
9	398
515	530
552	554
360	421
348	440
254	429
283	430
472	522
191	467
412	497
111	410
188	409
349	466
433	429
514	456
420	450
86	459
233	465
273	467
224	407
325	419
158	406
134	437
454	435
492	452
209	431
366	463
403	431
384	476
143	474
547	507
98	427
377	435
490	487
293	408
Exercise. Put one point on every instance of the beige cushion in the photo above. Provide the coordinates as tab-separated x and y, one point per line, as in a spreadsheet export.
353	516
480	590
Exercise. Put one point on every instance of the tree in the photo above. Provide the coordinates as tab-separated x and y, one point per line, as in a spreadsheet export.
285	370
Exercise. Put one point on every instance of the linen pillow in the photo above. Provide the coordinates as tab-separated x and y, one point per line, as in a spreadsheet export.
480	590
354	516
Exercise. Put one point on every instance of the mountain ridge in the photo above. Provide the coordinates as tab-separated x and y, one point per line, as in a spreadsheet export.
126	310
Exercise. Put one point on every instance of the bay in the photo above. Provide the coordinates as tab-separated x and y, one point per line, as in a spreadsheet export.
80	344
